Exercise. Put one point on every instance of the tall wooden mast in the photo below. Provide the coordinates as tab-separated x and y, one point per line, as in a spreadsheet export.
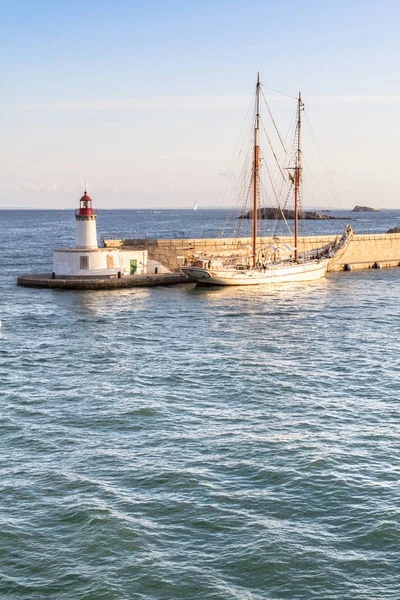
297	181
256	169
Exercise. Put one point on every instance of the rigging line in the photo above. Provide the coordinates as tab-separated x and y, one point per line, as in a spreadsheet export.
238	187
284	206
273	121
278	92
291	137
279	197
282	186
325	168
284	180
281	210
270	179
288	159
230	166
239	194
230	173
227	180
315	180
321	157
273	151
282	213
289	190
291	130
281	189
247	198
270	176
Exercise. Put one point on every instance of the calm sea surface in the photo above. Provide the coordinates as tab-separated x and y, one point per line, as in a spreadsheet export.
205	444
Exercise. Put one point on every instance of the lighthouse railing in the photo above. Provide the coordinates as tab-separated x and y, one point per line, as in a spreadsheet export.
85	211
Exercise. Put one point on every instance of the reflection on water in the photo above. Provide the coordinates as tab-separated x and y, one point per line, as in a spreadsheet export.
103	302
262	291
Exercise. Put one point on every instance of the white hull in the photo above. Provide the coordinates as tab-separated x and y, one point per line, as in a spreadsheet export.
279	273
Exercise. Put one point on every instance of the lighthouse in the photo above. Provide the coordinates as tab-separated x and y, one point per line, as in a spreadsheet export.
86	261
85	215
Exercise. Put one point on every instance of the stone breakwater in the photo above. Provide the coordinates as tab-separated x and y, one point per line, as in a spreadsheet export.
363	252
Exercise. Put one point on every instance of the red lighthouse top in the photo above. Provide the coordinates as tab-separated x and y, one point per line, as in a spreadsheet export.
85	205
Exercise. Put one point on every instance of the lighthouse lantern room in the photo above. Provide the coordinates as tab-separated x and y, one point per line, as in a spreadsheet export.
85	215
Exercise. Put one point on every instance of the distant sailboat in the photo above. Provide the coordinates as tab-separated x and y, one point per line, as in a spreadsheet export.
195	205
260	265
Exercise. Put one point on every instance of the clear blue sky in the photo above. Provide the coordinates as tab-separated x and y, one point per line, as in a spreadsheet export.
129	95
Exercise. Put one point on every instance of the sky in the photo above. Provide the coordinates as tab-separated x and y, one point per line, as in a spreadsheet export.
145	100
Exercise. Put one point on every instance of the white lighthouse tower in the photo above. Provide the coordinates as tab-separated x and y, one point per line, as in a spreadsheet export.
86	233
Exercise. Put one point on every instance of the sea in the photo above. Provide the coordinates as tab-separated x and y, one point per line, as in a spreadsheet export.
197	443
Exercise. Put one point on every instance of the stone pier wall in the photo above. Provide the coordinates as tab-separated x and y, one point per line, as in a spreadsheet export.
363	252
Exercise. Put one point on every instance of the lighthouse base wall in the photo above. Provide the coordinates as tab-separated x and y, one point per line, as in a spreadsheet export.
99	262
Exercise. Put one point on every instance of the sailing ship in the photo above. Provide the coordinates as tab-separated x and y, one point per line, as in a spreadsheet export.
259	267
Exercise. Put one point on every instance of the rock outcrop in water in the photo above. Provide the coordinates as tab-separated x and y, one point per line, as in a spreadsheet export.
364	209
394	229
276	213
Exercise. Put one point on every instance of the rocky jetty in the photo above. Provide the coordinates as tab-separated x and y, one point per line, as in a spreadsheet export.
394	229
275	214
364	209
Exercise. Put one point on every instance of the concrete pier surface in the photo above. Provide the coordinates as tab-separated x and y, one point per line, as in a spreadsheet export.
45	280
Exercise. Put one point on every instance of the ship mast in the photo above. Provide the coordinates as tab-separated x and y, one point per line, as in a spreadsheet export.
297	181
256	169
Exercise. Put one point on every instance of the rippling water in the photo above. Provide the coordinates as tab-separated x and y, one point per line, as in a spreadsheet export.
184	443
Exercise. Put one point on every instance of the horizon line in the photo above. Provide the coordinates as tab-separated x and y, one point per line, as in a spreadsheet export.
196	103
